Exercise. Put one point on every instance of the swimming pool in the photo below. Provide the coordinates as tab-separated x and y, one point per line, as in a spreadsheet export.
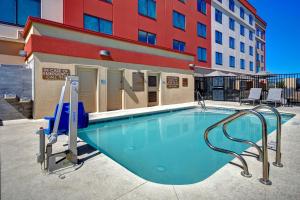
169	148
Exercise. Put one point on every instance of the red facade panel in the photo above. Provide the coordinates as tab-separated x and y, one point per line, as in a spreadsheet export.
127	21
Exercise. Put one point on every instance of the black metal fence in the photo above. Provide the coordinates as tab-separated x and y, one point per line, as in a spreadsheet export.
235	88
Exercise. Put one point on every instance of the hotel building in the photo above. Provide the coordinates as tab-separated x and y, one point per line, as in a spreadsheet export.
127	53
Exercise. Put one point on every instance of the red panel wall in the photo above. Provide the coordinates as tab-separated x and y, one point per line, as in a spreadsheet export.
127	21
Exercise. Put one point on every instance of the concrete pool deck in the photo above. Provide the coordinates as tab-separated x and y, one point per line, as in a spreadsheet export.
102	178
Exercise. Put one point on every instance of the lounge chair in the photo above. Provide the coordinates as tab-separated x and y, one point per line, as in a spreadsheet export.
254	96
274	96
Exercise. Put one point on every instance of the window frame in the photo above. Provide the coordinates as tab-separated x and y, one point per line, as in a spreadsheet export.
178	15
17	19
147	9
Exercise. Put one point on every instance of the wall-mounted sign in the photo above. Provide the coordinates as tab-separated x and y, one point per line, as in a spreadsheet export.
103	82
138	81
172	82
55	73
152	97
185	82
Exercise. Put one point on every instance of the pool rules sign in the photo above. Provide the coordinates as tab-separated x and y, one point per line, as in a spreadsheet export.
55	73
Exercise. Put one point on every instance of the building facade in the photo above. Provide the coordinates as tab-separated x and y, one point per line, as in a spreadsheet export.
233	36
127	53
260	46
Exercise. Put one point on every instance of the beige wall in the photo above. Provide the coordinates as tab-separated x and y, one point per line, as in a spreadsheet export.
52	10
177	95
47	92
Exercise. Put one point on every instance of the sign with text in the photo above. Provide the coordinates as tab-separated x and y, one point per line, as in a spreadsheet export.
185	82
172	82
55	73
138	81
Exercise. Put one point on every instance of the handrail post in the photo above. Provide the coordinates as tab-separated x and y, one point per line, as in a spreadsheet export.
277	162
266	166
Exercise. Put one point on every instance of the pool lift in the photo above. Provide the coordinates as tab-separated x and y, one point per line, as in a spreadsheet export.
65	121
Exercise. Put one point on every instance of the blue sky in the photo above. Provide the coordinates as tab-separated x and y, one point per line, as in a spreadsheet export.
283	34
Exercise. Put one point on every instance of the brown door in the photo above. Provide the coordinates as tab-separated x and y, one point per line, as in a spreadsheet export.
88	88
114	89
153	91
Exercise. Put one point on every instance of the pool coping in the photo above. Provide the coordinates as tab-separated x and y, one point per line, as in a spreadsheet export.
110	180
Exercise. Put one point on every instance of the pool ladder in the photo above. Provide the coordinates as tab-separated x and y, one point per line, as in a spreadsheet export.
262	151
200	100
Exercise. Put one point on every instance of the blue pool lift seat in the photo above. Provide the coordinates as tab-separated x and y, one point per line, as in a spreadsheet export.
63	128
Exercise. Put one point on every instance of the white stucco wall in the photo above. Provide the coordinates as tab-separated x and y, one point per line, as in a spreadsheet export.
9	31
226	33
52	10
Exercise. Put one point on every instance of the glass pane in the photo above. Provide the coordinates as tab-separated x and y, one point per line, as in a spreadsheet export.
143	7
8	11
151	38
91	23
28	8
106	26
152	8
142	36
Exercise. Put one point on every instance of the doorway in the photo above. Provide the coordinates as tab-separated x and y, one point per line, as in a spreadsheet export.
114	89
153	89
88	88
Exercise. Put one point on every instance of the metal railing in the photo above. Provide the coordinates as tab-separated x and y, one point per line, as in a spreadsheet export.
200	100
277	162
265	164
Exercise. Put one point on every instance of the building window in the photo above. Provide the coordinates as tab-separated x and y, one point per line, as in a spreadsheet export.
242	63
250	50
16	12
97	24
202	54
251	35
220	1
147	37
250	19
242	47
219	58
201	6
242	13
242	30
231	5
231	43
178	20
201	30
231	61
257	57
147	8
218	38
218	16
231	24
257	44
251	66
262	58
257	32
178	45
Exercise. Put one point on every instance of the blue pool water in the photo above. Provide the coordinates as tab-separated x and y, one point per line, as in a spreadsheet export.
169	148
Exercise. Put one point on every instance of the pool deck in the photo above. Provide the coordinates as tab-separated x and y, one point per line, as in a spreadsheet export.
101	178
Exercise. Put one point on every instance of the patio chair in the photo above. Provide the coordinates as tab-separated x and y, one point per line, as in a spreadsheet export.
254	96
274	96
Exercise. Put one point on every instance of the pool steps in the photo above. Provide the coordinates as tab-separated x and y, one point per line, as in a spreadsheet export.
263	151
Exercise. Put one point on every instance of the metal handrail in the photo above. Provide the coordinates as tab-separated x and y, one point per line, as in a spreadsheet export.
200	100
277	162
260	153
266	167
